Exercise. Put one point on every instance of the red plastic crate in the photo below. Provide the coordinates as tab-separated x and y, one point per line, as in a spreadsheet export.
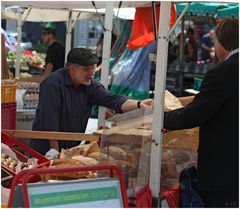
24	153
8	117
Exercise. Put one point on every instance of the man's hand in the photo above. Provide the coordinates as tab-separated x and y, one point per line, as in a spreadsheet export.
146	103
132	104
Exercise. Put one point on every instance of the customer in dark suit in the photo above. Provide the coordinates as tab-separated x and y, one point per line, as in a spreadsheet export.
215	110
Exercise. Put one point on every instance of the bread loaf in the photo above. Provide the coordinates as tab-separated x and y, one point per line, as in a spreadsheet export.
85	160
94	155
92	147
115	152
83	149
68	153
63	163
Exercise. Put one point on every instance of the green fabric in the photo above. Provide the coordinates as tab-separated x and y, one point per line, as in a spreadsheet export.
201	8
124	35
120	39
231	11
129	92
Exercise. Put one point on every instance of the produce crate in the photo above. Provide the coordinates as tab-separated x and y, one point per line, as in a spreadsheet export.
23	153
8	93
8	119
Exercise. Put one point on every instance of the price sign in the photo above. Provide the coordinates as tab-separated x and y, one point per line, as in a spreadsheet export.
96	193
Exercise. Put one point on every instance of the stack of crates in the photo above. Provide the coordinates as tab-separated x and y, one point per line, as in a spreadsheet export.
8	105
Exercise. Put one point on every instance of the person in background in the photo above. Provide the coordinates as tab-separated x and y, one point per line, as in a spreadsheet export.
207	47
216	111
190	49
55	52
67	97
99	46
176	45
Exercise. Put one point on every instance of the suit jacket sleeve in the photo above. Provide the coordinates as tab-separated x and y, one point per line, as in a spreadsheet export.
214	92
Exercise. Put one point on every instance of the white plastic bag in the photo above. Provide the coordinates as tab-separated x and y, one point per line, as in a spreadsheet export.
19	98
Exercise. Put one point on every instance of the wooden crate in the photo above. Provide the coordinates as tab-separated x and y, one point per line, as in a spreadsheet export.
8	93
181	139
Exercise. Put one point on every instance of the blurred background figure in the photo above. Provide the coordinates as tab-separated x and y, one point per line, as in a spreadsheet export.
175	47
55	52
207	47
190	50
99	45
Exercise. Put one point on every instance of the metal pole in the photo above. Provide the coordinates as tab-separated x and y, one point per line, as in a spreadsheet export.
158	113
154	20
19	37
182	39
179	18
68	35
106	56
30	9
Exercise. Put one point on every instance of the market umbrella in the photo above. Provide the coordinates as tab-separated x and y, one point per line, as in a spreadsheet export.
230	11
201	8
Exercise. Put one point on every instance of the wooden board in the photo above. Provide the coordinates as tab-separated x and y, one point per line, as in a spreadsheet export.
51	135
178	139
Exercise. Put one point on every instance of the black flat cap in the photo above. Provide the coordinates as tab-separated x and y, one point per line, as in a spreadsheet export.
82	56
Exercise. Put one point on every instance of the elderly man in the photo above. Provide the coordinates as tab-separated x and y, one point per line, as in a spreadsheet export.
67	96
215	111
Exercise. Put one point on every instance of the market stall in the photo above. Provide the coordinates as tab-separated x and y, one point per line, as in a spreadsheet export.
145	129
156	143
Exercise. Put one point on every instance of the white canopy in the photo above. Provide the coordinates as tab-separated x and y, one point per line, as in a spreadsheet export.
50	11
73	5
46	15
55	15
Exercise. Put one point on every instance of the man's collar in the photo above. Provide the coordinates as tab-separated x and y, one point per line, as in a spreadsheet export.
232	53
67	78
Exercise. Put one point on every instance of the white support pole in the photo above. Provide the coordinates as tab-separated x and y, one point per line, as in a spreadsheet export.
106	56
19	37
179	18
182	39
68	35
158	113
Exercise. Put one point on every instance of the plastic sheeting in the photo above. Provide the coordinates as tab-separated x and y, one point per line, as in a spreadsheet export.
131	75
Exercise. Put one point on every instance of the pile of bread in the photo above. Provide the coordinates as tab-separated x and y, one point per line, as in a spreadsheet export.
89	154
